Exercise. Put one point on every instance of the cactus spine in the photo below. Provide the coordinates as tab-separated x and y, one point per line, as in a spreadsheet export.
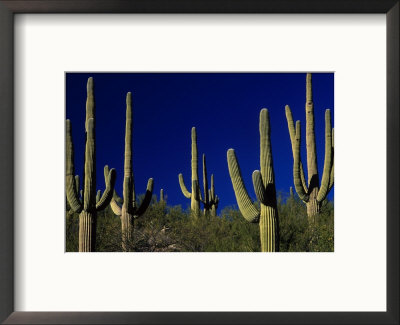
129	211
87	207
264	187
194	195
312	194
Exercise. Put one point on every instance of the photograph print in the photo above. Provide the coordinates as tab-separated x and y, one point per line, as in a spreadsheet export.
199	162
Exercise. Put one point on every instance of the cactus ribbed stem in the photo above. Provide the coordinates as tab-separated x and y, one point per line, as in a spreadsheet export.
127	226
313	208
268	229
86	231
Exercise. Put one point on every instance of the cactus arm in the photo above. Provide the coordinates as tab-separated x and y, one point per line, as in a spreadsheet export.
258	186
331	177
292	134
161	195
212	188
98	196
109	178
185	192
77	183
249	212
324	188
147	199
115	208
296	167
71	191
89	193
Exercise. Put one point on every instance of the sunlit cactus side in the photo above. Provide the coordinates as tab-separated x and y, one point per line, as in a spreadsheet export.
162	198
87	205
130	210
312	194
264	187
195	194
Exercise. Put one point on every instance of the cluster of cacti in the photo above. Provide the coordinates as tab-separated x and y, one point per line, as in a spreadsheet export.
87	202
130	210
87	206
264	187
210	201
312	194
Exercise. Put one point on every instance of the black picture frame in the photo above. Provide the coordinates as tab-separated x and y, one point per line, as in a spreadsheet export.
8	8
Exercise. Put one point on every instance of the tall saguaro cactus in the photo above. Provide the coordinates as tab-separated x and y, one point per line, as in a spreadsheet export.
129	211
194	195
264	187
88	206
312	194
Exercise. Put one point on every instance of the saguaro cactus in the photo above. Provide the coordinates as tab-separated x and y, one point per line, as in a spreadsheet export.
195	194
162	199
88	207
129	211
264	187
312	194
210	201
214	199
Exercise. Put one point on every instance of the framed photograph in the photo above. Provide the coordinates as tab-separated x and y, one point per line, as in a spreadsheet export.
225	162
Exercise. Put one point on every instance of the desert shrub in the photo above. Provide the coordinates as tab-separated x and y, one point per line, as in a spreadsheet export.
165	228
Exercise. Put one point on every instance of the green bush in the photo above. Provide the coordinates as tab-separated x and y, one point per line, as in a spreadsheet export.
171	229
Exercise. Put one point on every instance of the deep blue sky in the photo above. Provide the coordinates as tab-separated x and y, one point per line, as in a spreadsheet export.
224	108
